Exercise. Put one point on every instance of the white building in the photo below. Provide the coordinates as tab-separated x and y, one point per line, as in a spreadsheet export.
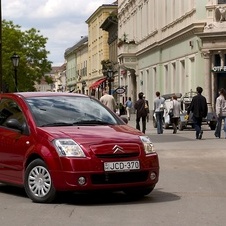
172	46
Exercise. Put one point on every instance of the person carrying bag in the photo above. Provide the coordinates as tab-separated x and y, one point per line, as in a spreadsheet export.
221	112
174	113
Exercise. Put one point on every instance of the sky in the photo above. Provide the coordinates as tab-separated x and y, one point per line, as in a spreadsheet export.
61	21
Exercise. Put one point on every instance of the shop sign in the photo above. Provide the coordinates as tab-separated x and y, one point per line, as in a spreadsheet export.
120	90
218	68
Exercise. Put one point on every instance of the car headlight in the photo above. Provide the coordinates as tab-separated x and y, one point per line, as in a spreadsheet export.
68	148
148	145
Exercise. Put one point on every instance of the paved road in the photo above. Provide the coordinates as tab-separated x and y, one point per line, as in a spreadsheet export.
192	177
190	191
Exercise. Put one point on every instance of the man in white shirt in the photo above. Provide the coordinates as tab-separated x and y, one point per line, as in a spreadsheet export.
108	100
159	106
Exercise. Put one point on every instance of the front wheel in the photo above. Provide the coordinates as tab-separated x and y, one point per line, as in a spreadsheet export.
166	125
212	126
38	183
180	126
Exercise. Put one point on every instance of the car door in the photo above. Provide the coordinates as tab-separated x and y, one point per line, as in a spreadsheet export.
13	143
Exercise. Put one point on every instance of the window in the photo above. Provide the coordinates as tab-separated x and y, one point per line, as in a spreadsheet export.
8	110
217	60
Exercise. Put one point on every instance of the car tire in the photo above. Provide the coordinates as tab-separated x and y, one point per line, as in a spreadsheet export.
212	126
154	123
180	126
166	125
38	182
138	192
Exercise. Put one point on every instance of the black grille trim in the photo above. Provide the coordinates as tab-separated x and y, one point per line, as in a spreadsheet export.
123	155
119	178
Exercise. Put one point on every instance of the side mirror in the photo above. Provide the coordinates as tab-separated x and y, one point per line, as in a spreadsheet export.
15	124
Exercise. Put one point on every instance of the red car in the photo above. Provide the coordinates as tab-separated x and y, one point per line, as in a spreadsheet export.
53	142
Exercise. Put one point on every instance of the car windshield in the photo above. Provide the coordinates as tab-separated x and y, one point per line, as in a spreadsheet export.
68	111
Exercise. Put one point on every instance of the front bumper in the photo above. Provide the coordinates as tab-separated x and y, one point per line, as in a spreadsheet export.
95	178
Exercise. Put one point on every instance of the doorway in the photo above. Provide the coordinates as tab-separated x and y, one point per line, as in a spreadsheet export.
221	80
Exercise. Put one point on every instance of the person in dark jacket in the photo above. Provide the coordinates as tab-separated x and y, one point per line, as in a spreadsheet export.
199	109
141	113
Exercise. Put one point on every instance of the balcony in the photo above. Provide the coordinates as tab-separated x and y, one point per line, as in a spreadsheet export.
127	47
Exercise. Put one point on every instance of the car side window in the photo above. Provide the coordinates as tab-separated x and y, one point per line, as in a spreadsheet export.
9	109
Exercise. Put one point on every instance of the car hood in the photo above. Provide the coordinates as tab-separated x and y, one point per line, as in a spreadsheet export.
101	141
92	134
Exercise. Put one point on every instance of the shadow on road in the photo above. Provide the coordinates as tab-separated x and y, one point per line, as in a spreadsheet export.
12	190
114	198
97	198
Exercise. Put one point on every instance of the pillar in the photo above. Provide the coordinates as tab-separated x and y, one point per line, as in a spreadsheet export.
207	76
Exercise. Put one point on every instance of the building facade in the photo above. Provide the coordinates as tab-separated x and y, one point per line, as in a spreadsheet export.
172	46
98	49
82	58
111	26
76	66
56	78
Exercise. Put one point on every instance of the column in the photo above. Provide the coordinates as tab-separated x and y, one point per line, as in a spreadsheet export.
207	76
222	58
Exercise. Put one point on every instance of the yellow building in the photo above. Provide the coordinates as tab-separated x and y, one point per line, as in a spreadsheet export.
98	48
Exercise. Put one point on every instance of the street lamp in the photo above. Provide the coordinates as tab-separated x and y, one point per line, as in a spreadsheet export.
15	61
109	76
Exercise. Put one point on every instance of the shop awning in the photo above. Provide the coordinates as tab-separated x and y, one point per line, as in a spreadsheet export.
97	83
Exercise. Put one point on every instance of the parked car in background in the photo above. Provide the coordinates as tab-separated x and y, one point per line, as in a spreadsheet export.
166	118
52	142
185	100
184	123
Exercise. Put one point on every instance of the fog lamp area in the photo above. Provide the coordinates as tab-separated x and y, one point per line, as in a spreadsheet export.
153	175
81	181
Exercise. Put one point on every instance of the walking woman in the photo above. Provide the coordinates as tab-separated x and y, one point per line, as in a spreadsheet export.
159	107
175	106
221	113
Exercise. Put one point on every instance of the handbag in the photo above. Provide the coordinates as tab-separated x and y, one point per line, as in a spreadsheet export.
171	113
161	107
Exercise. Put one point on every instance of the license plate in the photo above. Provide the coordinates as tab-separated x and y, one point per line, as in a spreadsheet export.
121	166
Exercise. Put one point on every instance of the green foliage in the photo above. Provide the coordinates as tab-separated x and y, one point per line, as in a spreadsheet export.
31	47
49	80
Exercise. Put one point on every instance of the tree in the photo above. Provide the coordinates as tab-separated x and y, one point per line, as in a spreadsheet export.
31	47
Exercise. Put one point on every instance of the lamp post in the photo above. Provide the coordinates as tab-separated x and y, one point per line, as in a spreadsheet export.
109	76
15	61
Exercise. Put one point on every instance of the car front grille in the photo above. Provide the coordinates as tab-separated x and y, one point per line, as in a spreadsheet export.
119	178
123	155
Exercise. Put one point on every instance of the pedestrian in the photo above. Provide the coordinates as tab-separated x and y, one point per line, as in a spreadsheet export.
221	112
175	107
199	109
141	113
108	100
128	105
159	107
146	107
121	109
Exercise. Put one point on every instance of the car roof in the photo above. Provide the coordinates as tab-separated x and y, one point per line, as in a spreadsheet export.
169	96
42	94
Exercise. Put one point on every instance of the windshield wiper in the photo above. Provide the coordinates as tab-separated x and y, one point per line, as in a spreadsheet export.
92	122
57	124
